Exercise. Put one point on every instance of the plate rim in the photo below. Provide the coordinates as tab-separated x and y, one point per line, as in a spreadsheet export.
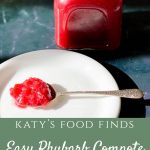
7	62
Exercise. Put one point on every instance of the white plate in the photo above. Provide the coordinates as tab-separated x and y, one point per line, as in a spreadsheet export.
66	70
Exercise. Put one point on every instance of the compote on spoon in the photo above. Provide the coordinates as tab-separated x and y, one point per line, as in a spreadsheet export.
36	93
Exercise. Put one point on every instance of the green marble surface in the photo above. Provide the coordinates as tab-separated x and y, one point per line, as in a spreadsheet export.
25	26
28	25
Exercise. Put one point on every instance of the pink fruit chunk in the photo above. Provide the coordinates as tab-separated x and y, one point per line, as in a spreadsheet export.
32	92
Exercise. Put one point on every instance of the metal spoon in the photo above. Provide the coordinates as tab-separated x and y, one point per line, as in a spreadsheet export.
127	93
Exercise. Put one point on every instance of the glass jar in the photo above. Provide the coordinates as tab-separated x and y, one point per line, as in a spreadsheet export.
92	24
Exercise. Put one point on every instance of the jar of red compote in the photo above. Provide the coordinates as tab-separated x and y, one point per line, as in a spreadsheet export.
92	24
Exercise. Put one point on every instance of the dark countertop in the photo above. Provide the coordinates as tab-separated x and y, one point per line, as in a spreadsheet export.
28	25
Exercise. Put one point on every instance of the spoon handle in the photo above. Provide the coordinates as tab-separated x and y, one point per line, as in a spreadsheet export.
127	93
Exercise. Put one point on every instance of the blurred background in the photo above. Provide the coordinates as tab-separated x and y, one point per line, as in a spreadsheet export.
27	25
